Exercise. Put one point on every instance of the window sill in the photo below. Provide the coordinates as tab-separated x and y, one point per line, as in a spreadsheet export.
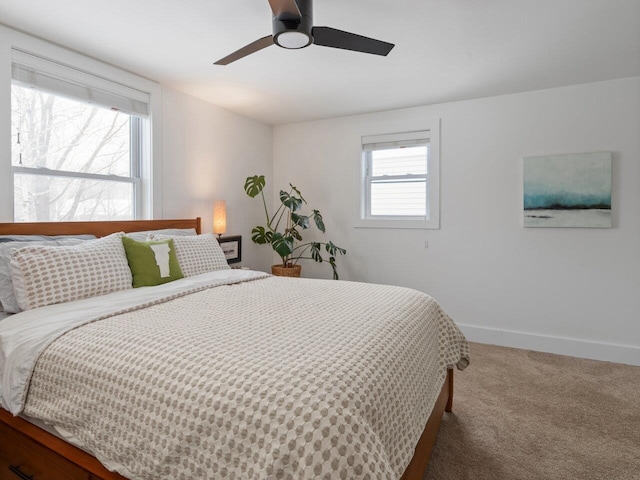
398	224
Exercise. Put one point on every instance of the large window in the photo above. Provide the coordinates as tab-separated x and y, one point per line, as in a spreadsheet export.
400	181
77	144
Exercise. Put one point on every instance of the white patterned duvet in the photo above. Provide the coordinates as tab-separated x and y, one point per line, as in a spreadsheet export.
237	375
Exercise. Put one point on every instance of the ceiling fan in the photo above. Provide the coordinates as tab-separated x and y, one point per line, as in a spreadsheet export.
293	29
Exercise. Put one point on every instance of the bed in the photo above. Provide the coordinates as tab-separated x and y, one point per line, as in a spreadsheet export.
298	398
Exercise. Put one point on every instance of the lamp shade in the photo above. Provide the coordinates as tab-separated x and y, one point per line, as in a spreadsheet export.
219	217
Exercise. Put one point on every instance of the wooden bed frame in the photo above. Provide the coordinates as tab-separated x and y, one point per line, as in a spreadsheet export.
31	453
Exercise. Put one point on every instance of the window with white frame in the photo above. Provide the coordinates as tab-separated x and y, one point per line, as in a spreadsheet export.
400	181
78	143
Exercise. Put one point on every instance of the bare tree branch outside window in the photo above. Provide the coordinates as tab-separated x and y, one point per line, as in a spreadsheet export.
69	136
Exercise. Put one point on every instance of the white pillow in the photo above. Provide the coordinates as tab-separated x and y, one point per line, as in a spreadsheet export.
198	253
170	232
43	238
7	298
44	275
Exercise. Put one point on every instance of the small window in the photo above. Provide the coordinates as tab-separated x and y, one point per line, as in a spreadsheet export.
77	145
400	181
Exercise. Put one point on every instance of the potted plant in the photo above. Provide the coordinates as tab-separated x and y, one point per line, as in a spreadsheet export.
287	242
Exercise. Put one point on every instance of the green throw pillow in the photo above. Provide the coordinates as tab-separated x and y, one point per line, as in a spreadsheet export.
152	263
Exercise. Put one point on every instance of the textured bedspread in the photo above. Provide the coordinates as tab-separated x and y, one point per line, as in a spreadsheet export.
269	378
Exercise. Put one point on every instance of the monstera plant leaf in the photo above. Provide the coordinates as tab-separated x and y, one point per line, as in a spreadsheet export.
317	217
334	249
289	201
282	245
300	220
261	236
315	252
292	232
254	185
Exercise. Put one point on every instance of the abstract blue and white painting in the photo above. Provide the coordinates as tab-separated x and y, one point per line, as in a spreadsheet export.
568	190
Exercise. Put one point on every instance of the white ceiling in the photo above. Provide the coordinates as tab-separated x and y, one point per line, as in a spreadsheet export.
445	49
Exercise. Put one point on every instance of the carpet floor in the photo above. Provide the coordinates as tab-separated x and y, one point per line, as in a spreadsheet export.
519	414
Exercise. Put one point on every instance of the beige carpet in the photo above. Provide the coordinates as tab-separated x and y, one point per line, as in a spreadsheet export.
519	414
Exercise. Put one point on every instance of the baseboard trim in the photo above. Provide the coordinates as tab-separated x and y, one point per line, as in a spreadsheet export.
608	352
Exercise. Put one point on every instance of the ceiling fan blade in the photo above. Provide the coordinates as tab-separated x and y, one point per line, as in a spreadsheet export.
332	37
264	42
285	9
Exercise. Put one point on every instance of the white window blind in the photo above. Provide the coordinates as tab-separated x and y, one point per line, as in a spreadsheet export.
32	71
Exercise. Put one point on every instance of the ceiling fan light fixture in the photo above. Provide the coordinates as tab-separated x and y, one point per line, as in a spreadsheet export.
292	39
292	26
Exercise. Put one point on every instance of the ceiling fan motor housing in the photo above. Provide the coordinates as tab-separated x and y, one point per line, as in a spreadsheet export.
294	33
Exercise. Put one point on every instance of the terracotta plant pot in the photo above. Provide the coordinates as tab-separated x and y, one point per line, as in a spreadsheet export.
288	271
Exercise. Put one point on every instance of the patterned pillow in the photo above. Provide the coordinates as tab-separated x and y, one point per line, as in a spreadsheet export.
7	297
44	275
198	253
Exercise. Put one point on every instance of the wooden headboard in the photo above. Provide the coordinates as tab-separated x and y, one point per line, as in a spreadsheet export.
99	229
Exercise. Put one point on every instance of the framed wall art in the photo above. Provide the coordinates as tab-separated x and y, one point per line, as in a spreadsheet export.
568	190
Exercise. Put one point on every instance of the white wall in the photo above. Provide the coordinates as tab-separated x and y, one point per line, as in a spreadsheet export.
207	154
572	291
